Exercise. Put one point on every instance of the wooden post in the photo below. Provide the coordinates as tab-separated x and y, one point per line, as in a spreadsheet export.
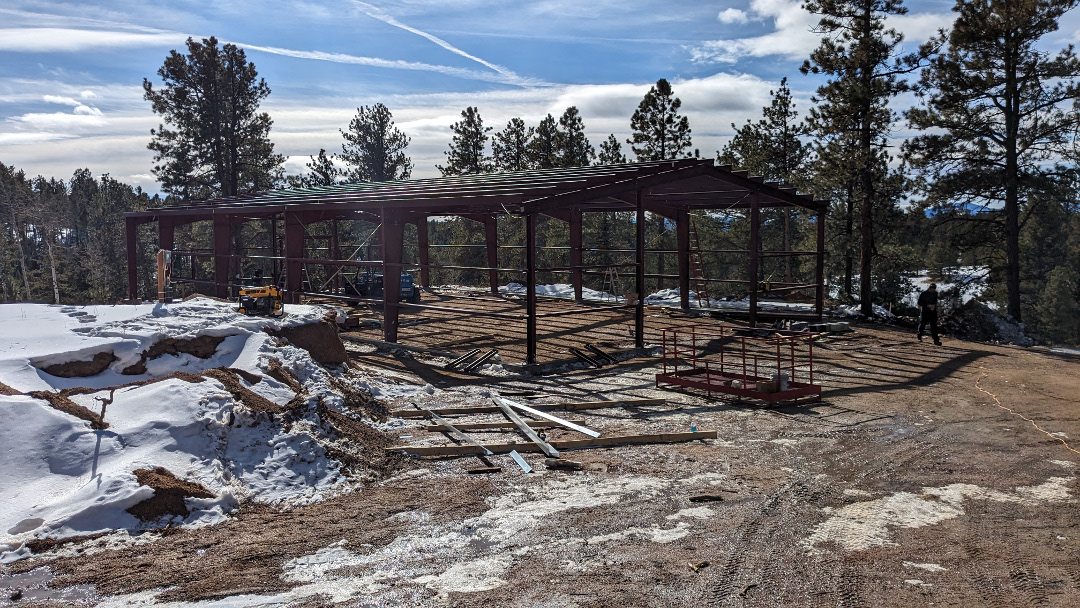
575	253
682	235
164	274
132	258
755	245
222	252
530	288
491	237
422	246
294	251
819	296
393	235
639	273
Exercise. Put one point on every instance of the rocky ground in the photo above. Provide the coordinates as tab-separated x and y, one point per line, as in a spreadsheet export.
926	475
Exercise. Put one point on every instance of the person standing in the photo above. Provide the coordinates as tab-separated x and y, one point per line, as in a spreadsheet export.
928	302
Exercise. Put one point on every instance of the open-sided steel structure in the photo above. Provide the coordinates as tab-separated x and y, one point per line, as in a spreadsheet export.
672	189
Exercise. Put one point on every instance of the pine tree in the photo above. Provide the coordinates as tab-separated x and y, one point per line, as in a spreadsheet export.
1058	308
611	152
772	148
997	108
214	141
321	172
466	155
574	149
374	149
859	55
544	144
510	147
659	131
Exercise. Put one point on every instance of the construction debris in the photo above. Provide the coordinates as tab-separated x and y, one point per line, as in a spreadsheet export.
506	448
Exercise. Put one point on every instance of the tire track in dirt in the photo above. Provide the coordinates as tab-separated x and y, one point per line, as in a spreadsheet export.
1027	580
751	566
977	575
849	588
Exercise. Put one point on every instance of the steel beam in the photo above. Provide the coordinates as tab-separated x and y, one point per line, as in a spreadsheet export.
424	251
575	253
222	253
682	236
294	252
755	253
530	289
491	239
639	274
393	233
132	226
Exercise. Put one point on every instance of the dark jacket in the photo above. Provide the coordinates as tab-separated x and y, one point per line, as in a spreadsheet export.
927	298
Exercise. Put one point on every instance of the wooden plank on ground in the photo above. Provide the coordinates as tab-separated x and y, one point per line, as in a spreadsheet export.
490	409
506	448
549	451
496	426
556	419
456	434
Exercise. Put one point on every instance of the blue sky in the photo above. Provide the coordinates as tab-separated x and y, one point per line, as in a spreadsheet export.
71	72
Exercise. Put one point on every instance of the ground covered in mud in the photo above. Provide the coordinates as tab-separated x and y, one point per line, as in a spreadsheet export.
926	475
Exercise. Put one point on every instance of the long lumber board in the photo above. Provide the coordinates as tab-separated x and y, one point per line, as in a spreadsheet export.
572	444
491	409
457	434
497	426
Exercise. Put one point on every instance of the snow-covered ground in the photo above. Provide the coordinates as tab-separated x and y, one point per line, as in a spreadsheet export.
59	477
968	281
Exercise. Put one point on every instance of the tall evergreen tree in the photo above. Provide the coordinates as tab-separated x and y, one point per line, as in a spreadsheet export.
544	144
510	147
772	147
997	109
321	172
214	141
659	131
611	152
574	148
859	54
374	149
467	153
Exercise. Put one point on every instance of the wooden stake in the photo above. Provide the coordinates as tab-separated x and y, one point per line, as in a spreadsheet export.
506	448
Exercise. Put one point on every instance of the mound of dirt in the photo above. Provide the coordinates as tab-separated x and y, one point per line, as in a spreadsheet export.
320	339
202	347
61	402
81	369
169	494
977	322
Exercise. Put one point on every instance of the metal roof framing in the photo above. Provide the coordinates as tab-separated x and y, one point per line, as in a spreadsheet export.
672	188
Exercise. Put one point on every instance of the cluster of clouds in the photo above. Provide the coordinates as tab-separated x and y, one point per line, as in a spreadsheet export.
110	122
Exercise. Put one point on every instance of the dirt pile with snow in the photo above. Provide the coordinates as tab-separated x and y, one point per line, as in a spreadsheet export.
204	410
977	322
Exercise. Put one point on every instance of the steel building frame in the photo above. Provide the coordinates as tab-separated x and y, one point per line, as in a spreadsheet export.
672	189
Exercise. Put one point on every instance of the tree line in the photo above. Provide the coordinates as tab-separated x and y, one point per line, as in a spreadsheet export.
987	179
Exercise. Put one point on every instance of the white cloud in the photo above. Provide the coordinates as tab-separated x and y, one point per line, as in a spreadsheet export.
57	39
793	37
59	121
88	95
732	15
66	101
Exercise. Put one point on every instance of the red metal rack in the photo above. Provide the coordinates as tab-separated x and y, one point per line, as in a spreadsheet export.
744	362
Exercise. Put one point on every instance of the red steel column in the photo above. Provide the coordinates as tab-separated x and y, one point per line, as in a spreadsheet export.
166	231
682	235
575	252
393	235
639	273
819	296
294	251
530	289
491	237
422	246
755	245
222	251
132	258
